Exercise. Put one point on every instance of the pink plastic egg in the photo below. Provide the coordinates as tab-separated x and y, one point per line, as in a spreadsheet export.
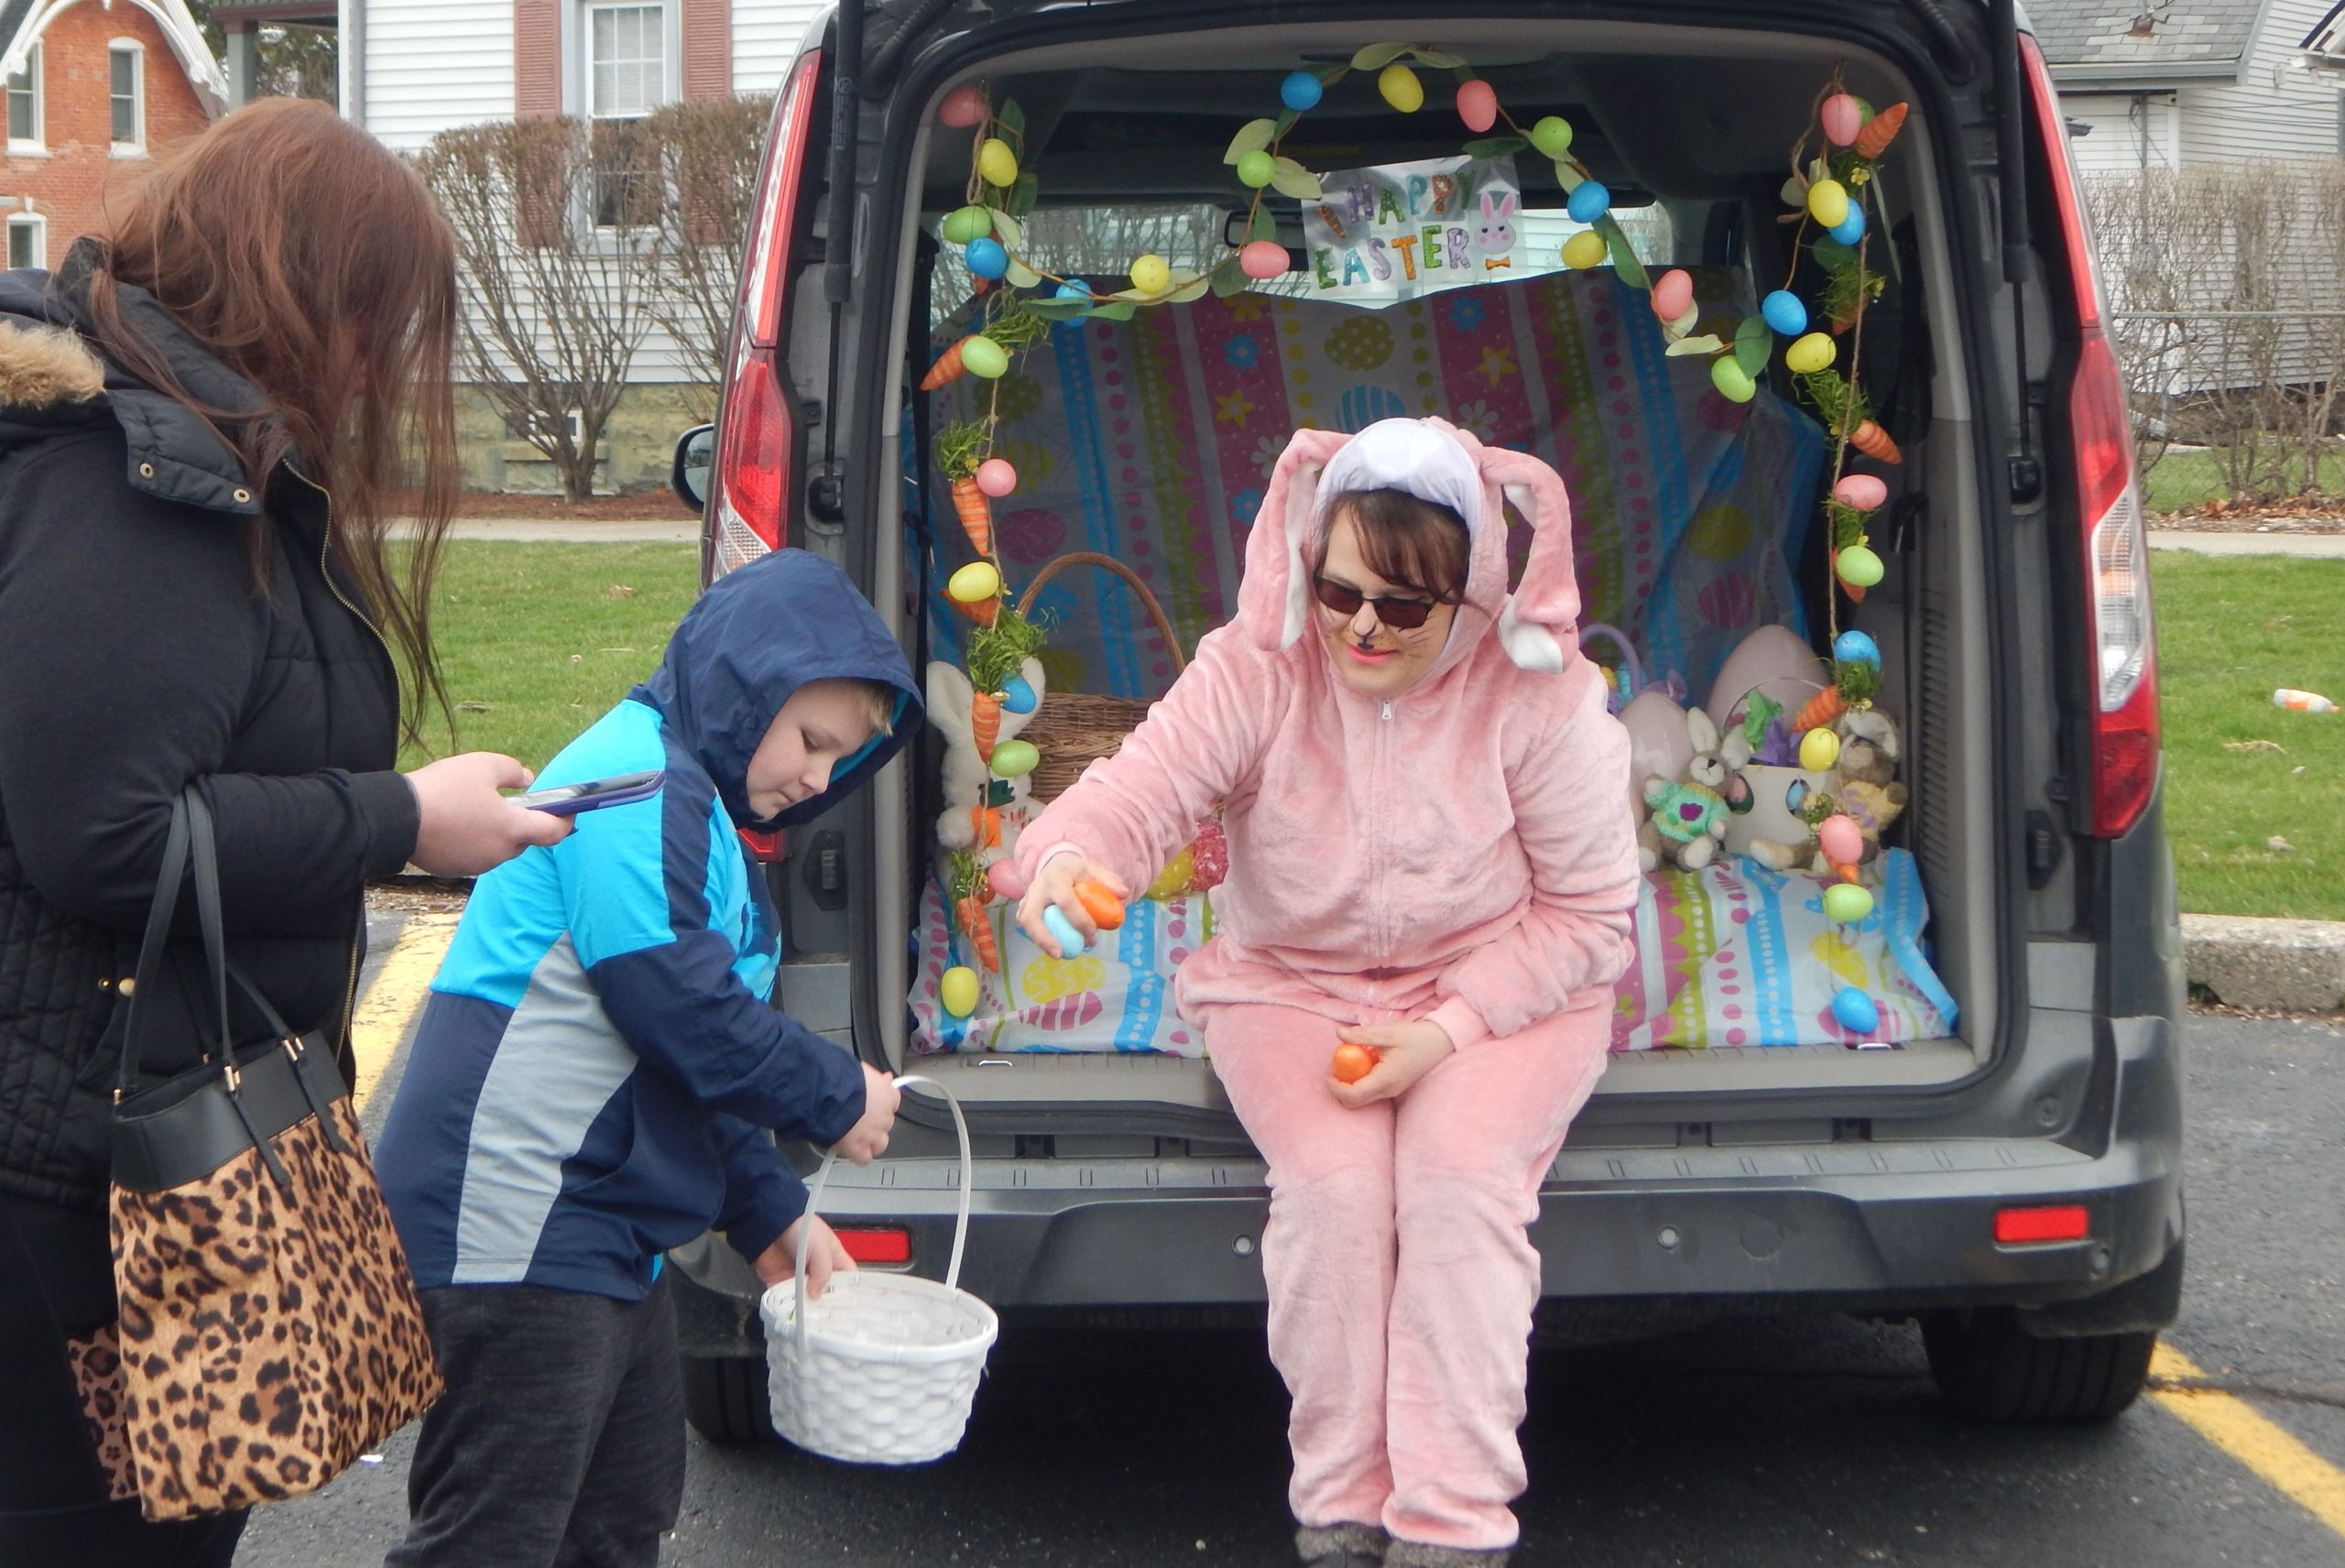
1003	878
1673	294
1477	105
1263	259
1862	491
963	107
1841	840
1843	118
996	477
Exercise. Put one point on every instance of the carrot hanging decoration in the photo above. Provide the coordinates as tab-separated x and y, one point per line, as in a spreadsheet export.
1879	130
1874	442
1820	710
975	513
985	721
978	929
949	367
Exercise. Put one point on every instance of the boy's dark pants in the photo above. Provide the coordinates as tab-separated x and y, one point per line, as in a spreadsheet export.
559	1443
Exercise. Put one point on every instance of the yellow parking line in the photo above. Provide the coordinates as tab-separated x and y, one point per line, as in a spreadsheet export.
2233	1425
383	1012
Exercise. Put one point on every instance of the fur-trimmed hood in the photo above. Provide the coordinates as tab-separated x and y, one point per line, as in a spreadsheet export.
45	367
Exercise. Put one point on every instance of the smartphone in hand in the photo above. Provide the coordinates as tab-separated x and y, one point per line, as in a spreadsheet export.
569	800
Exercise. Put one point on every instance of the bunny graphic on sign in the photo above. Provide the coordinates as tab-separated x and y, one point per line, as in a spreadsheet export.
1495	236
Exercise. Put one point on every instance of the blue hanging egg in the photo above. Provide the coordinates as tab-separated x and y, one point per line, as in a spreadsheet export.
986	258
1854	1011
1857	648
1589	201
1300	91
1850	229
1784	314
1017	696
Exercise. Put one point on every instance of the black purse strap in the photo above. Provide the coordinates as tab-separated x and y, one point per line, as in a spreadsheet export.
159	915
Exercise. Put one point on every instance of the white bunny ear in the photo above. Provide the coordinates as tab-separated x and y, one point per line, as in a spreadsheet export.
1032	669
950	696
1701	731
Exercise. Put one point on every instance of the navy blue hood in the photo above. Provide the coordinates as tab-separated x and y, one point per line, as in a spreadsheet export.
758	634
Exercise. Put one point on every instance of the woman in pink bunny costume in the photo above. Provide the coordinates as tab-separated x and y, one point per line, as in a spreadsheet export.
1428	854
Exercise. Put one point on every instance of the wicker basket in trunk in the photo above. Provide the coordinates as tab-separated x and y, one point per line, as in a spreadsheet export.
1073	728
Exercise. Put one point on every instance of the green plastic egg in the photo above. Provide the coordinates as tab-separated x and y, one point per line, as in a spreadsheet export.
1860	567
1733	382
1256	168
984	358
958	990
1814	352
1818	748
1553	136
1584	250
1846	903
1015	758
1828	202
996	164
963	224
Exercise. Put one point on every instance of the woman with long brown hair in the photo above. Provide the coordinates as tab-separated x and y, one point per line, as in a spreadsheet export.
208	419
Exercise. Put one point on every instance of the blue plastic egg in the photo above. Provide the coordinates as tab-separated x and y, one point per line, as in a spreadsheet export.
1300	91
1854	1011
1017	696
1857	648
1589	201
1850	229
1784	314
1063	931
1076	291
986	258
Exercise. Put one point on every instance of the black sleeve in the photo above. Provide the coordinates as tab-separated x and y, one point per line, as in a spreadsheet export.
131	642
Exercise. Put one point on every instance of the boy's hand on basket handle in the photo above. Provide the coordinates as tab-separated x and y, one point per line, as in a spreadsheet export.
1054	884
867	1140
825	1256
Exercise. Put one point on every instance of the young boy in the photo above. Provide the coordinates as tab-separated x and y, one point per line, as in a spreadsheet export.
596	1068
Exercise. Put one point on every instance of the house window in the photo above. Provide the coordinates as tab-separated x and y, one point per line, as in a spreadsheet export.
27	242
24	104
627	78
128	89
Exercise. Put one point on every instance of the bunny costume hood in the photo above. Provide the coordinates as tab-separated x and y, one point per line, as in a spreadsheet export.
1457	850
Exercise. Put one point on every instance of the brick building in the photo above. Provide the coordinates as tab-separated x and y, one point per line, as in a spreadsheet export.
95	89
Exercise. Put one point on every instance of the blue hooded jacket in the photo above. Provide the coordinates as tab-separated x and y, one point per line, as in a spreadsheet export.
594	1071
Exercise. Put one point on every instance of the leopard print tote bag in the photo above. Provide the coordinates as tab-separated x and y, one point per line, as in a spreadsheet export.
269	1331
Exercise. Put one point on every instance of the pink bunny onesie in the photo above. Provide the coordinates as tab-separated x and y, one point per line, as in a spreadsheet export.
1459	852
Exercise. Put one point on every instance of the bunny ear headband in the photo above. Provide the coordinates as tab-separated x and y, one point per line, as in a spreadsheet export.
1433	461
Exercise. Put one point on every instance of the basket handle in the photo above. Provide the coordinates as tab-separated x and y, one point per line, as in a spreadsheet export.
1131	580
1628	651
960	1225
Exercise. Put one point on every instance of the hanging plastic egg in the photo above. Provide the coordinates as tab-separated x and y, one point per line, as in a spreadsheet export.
1673	294
1842	118
963	107
1003	878
1859	567
996	477
1784	312
1300	90
1734	383
1842	841
1264	258
1854	1010
1401	88
1850	229
975	583
1846	904
1815	351
1551	135
986	258
963	224
1018	695
1256	169
1862	491
1827	201
1152	274
1589	201
1856	647
1818	750
1014	760
958	990
984	358
996	164
1074	291
1477	105
1584	250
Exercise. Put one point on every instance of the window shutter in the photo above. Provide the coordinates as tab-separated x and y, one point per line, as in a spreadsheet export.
708	49
536	58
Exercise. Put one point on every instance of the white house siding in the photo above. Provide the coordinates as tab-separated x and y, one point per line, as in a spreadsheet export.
766	36
2275	111
2128	131
430	66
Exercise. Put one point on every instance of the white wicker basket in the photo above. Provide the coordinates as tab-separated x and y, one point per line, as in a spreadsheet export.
879	1368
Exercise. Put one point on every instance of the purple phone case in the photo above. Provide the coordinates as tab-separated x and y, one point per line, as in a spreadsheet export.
642	788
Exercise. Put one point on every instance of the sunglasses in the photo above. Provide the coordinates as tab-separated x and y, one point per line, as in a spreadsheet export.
1399	615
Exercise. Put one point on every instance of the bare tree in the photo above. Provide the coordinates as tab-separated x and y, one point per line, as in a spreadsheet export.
707	154
557	248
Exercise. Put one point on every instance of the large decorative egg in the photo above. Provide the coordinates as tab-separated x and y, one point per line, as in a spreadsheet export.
1300	89
1843	117
996	477
975	583
1733	383
1854	1010
1842	841
1774	662
984	358
1551	135
1862	491
1673	294
1859	567
1401	88
996	164
1784	312
1658	745
1819	748
986	258
1589	201
1264	258
958	990
1815	351
1584	250
963	107
1856	647
1014	760
1847	904
1827	201
1152	274
1477	105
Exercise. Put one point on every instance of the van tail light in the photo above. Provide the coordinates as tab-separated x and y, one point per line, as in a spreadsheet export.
877	1245
749	503
2035	1226
2109	506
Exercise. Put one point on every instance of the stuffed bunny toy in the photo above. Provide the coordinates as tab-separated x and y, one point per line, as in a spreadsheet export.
1687	820
990	833
1865	792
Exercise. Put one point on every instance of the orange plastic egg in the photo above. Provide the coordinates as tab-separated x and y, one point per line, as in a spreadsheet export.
1353	1061
1106	910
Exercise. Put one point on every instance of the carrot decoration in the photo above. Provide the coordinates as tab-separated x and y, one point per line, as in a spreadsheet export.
985	827
981	611
1879	130
948	367
971	912
976	514
1820	710
985	721
1855	595
1874	442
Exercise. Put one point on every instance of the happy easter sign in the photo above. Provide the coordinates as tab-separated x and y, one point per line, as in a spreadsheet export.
1398	230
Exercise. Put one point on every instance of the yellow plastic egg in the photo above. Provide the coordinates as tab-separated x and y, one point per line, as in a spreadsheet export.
996	164
1828	202
1152	274
1584	250
1815	351
975	583
958	991
1818	750
1401	88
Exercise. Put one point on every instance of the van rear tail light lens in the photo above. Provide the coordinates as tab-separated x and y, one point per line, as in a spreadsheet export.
2027	1227
879	1247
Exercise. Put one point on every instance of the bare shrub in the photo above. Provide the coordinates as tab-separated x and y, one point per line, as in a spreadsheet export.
707	152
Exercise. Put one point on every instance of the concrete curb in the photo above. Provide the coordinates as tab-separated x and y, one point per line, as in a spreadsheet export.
2296	966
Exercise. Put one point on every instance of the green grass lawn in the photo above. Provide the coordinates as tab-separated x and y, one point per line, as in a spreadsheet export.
2180	480
538	641
2239	771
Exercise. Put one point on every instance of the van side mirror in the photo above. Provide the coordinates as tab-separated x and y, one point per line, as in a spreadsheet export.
695	455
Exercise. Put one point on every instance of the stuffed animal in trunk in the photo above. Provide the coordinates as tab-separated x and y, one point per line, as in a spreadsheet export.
1687	816
1865	790
982	813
